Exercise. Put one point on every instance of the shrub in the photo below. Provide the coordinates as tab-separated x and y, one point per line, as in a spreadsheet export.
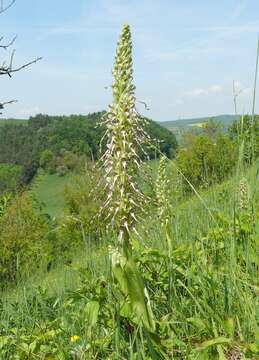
47	160
83	199
204	161
22	239
10	176
62	170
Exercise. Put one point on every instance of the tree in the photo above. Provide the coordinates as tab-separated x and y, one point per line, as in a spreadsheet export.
207	160
10	176
7	67
70	138
47	160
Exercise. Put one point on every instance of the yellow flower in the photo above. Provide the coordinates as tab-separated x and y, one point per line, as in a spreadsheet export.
74	338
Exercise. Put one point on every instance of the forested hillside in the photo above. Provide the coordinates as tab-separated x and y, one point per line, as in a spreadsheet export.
61	143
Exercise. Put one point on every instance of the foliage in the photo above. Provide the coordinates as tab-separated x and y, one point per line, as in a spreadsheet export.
4	202
49	191
47	160
205	162
212	316
62	170
53	141
10	176
65	162
246	131
83	200
22	238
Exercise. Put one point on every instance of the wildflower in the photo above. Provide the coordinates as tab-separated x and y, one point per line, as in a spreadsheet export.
74	338
162	193
243	195
125	135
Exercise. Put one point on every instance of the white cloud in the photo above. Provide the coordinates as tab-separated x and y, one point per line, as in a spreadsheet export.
205	91
215	89
197	92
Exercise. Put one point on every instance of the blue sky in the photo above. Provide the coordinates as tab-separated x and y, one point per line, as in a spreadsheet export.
186	55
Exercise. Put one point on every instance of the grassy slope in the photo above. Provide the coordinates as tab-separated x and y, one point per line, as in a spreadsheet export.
192	220
191	223
49	191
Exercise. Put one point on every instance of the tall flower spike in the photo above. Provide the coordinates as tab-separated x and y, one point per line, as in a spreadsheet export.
162	193
243	195
125	135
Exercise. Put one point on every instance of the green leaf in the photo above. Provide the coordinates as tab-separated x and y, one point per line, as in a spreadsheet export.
92	311
197	322
217	341
3	341
33	346
131	284
229	326
221	353
254	348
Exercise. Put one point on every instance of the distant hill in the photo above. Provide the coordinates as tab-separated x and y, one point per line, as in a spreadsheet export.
179	125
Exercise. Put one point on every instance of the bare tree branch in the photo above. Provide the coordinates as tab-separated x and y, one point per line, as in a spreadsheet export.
8	70
5	47
2	105
146	106
3	7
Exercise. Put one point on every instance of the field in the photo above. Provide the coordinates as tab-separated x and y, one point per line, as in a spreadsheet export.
49	192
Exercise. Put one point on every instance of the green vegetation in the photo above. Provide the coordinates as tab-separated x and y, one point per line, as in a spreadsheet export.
205	160
10	176
62	143
13	121
49	191
209	287
22	233
136	259
245	132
